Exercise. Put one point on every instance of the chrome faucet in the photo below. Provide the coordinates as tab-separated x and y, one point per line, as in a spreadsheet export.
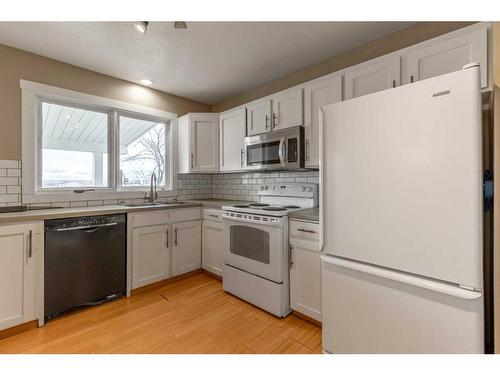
153	194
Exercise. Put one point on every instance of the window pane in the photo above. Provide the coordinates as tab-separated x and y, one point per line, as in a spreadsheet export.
74	145
142	152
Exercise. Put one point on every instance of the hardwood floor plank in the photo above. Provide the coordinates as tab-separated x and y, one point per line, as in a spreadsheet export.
190	315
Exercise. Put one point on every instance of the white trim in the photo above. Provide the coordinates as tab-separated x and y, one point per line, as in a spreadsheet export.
57	93
33	93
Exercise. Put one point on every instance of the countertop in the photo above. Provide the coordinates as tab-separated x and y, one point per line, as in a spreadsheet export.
309	214
217	203
60	213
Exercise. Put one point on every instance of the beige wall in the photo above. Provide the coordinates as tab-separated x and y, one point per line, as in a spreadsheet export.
390	43
16	64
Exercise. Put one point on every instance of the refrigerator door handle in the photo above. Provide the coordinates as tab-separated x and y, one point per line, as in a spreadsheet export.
321	182
404	278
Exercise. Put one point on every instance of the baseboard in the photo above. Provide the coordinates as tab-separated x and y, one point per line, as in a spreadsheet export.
12	331
308	318
161	283
213	275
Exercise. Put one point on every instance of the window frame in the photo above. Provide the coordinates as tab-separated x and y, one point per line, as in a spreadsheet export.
32	96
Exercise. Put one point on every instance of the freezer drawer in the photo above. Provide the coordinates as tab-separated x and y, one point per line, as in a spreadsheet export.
368	309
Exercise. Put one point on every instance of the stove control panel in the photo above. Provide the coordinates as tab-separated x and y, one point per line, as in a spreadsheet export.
252	218
301	190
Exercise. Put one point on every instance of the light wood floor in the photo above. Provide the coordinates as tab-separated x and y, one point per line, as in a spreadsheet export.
192	315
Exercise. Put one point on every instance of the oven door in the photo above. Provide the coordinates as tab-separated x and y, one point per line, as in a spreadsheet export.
255	248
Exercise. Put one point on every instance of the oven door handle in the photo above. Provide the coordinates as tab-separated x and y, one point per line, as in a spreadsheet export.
281	152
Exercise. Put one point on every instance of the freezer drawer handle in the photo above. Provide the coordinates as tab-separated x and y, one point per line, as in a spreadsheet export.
435	286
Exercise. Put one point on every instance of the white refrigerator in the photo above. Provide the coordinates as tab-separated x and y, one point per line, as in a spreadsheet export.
401	213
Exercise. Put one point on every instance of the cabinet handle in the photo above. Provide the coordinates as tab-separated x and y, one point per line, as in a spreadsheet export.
30	244
307	149
393	83
290	255
267	122
216	216
167	237
305	230
275	120
242	153
411	79
192	160
175	236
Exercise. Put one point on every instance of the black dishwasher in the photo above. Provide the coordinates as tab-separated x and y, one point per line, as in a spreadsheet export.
85	262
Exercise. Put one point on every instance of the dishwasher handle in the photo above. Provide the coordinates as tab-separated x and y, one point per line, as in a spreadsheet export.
86	227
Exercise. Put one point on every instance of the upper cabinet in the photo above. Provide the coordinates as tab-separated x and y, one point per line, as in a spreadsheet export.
287	109
367	78
279	111
435	58
316	95
198	143
232	131
259	116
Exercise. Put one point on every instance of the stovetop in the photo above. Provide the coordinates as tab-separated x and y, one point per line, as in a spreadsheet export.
263	209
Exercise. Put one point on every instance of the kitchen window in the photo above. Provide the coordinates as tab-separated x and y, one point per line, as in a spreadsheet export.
74	143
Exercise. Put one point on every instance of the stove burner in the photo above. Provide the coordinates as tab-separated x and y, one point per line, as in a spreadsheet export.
274	209
291	206
241	206
258	205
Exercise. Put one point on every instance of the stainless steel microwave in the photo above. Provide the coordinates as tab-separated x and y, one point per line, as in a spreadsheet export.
280	149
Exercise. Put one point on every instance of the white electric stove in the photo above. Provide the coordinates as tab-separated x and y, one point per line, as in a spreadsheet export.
256	245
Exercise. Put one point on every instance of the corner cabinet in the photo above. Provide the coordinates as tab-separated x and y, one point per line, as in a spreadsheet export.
436	58
371	77
316	95
198	143
186	247
305	269
232	132
20	246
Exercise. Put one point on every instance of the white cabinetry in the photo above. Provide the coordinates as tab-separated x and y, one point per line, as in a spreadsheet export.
372	76
287	109
437	57
198	143
316	95
212	251
151	255
232	131
305	269
259	116
186	250
19	247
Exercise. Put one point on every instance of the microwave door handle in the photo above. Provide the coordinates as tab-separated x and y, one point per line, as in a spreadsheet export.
281	152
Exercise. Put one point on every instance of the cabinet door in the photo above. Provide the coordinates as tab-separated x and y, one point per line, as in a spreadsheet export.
150	255
17	275
259	117
317	95
448	56
287	109
186	250
204	142
305	281
378	76
232	129
212	251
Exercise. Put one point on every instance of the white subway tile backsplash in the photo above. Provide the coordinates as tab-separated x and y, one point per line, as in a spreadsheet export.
10	164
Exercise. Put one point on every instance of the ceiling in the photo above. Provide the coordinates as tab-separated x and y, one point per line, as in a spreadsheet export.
207	62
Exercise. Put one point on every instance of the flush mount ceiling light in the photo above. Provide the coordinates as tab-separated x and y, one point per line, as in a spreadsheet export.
180	25
141	26
146	82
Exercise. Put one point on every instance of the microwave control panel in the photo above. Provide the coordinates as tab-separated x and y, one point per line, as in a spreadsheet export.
293	150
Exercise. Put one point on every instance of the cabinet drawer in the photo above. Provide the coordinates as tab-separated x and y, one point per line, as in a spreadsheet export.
304	230
185	215
152	217
212	214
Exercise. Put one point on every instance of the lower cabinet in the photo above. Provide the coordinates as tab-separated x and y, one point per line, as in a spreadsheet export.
305	269
186	247
150	254
164	243
19	247
212	251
